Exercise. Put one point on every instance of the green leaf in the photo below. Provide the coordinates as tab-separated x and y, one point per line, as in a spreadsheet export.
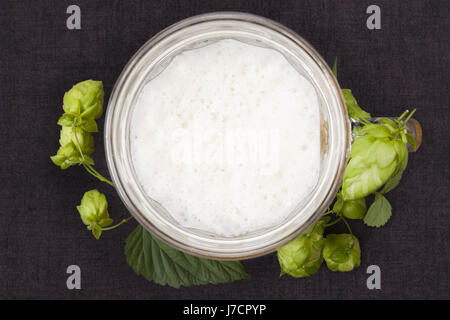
392	183
411	141
379	212
354	110
158	262
335	67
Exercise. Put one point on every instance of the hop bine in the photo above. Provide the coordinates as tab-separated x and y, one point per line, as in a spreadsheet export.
82	105
377	158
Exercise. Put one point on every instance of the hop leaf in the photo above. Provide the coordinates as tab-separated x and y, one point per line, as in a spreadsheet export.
93	211
354	110
303	256
342	252
380	211
158	262
84	100
392	183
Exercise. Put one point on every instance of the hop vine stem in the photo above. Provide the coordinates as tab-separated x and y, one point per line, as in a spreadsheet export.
348	226
96	174
333	222
409	116
120	223
87	166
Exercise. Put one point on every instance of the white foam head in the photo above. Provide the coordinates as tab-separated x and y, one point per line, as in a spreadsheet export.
227	138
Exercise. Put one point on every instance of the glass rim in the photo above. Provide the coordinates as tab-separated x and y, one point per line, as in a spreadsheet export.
181	238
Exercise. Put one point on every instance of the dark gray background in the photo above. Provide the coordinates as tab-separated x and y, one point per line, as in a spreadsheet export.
406	64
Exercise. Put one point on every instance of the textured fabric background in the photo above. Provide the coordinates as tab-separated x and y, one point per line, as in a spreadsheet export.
406	64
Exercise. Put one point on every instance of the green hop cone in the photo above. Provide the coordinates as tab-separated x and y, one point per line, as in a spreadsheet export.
84	100
303	256
93	210
79	137
342	252
354	209
374	158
